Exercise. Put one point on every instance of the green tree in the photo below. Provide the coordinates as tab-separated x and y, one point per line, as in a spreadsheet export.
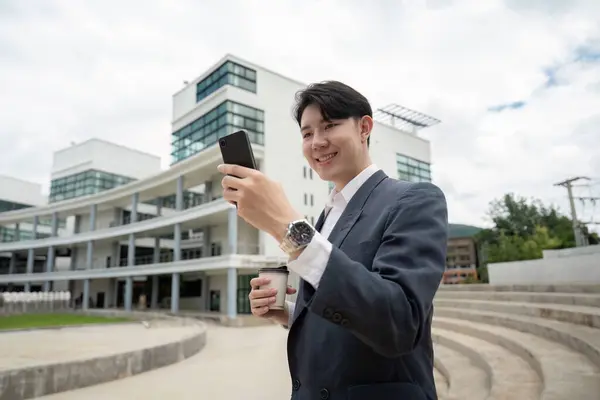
482	273
517	216
593	238
511	248
470	279
522	229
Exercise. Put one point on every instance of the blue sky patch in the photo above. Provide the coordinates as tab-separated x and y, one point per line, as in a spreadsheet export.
515	105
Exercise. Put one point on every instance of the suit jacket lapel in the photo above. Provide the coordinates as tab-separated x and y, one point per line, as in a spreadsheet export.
320	221
354	208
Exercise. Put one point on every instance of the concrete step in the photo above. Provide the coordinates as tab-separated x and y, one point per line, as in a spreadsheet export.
579	338
565	374
467	380
523	288
510	377
441	384
573	299
580	315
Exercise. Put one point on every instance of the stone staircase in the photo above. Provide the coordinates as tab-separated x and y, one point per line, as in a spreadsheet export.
517	342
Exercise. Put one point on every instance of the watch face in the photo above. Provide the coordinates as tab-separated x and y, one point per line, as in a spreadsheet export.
302	233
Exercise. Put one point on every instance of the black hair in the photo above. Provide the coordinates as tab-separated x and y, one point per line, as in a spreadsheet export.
336	100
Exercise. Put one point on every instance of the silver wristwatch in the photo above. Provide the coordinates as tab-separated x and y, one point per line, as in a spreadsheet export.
299	234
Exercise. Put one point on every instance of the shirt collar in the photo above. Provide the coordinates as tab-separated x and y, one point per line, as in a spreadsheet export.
352	187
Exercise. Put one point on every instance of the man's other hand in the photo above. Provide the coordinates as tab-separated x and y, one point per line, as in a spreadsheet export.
261	299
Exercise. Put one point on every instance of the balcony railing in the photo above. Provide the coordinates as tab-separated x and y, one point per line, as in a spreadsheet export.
190	254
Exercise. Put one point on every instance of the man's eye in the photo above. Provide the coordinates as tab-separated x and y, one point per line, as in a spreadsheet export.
306	135
329	126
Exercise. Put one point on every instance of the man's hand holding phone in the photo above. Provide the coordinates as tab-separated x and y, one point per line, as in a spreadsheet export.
260	200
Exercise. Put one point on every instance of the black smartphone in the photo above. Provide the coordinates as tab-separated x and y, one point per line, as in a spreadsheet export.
236	149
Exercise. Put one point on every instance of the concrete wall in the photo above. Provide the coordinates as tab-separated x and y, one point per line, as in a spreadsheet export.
576	251
19	191
584	269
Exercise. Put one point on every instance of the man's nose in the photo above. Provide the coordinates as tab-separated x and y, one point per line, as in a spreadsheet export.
319	141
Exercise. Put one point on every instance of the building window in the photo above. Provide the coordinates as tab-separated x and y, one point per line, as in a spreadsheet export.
190	199
85	183
11	206
229	73
312	221
304	171
6	206
222	120
215	249
10	235
126	217
411	169
331	186
312	200
243	302
310	173
305	199
191	288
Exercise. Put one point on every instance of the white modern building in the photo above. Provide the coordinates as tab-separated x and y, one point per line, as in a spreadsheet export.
17	194
168	234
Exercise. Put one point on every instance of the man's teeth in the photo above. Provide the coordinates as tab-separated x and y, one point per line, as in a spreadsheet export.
327	157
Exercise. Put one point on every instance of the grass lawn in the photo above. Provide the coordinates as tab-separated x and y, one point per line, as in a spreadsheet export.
28	321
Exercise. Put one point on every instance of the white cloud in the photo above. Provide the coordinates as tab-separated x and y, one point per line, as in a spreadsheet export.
74	70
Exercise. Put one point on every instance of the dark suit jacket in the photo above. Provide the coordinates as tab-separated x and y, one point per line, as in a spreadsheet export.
365	333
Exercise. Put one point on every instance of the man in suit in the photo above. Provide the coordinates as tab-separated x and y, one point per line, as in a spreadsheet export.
361	326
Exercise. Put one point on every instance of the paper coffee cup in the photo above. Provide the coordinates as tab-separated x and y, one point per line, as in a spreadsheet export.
279	280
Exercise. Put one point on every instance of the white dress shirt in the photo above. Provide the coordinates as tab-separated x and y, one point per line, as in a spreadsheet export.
311	263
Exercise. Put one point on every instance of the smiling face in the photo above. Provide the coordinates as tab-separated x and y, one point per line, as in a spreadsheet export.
336	149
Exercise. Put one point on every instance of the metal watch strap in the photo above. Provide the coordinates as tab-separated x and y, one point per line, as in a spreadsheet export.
288	246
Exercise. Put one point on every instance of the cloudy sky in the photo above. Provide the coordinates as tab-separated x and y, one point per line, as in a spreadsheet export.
516	83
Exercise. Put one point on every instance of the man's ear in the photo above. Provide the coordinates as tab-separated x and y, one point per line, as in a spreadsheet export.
366	126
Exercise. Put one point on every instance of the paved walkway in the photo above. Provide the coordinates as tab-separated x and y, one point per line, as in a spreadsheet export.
39	347
237	363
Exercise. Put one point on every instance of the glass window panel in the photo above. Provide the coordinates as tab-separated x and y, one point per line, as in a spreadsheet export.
250	124
250	74
222	132
402	167
210	139
238	120
234	80
413	170
246	84
238	69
